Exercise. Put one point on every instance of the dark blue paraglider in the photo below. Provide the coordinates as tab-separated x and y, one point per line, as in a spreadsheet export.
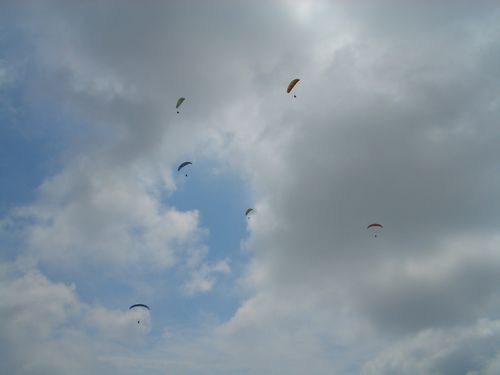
139	305
183	165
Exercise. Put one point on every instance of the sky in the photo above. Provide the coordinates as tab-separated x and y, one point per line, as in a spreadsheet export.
395	121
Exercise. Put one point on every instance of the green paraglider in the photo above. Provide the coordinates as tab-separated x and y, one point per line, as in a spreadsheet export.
179	102
248	211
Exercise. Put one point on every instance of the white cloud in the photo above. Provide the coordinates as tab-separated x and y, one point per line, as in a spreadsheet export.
202	279
129	325
35	329
105	217
46	329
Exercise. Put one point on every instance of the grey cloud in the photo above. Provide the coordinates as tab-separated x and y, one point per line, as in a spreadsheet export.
418	159
405	134
471	350
408	304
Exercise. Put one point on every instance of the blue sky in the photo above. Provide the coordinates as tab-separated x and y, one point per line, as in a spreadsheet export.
394	122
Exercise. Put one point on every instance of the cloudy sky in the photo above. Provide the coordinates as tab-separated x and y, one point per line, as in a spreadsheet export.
396	121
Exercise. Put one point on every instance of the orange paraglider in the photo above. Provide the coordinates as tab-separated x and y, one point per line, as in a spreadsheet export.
291	85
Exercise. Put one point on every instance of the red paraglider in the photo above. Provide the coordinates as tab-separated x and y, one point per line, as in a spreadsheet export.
374	225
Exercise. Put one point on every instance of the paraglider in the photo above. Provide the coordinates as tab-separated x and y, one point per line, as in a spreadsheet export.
248	211
182	165
139	305
374	225
291	85
179	102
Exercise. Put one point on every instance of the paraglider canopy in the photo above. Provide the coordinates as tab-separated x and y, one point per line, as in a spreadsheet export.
182	165
139	305
179	102
248	211
291	85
